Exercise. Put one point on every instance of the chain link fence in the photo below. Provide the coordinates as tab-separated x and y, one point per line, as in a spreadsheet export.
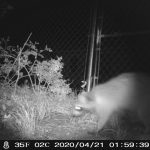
66	30
124	40
64	27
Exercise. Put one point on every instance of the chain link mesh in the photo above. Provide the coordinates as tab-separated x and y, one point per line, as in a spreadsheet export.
63	27
124	45
66	29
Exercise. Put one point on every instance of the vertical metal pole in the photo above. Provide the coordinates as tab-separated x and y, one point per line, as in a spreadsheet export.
99	51
92	47
96	60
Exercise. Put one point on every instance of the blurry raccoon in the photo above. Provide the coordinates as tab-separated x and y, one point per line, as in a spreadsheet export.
128	92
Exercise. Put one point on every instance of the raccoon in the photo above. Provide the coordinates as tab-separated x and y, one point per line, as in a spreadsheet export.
128	92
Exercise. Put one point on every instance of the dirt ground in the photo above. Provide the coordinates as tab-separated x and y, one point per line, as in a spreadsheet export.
64	127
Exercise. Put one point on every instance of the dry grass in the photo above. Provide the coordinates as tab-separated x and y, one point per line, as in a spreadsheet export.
40	116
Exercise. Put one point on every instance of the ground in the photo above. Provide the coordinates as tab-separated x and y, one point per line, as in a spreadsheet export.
66	127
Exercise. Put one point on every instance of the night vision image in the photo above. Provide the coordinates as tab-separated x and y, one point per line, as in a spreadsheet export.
74	70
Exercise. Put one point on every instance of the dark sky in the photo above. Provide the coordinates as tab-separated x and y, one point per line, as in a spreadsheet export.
120	15
132	15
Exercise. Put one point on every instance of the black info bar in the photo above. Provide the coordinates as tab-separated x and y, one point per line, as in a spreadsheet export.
74	144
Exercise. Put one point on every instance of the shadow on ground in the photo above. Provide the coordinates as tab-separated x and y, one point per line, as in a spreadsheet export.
7	133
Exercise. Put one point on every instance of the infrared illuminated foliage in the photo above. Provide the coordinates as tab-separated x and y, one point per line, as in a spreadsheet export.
32	87
27	63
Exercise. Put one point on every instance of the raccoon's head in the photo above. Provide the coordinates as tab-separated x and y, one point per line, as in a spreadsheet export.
85	103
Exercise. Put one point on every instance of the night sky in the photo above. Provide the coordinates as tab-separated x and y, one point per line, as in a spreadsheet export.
128	16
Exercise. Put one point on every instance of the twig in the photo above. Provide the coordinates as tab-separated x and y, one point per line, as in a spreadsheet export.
19	54
18	57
